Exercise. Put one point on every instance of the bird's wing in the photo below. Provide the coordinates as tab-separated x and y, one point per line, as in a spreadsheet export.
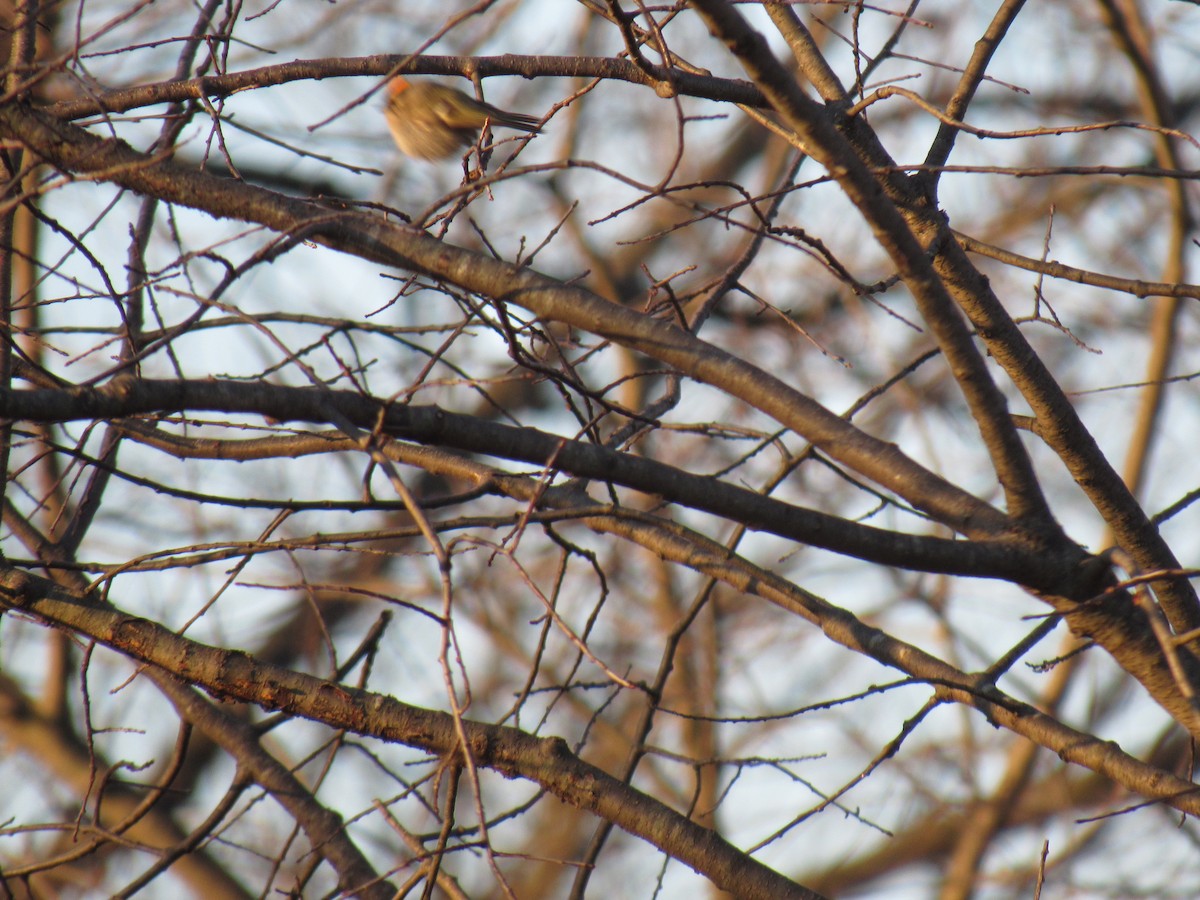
459	112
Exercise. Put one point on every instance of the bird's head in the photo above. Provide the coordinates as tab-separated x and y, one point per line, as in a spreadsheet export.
397	86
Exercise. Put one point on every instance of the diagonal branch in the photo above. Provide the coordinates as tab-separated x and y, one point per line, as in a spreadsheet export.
511	752
74	150
908	251
1040	570
904	222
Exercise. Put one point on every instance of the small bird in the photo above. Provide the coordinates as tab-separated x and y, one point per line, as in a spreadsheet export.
434	121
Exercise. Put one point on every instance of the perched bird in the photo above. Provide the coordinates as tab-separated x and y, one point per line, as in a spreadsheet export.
433	121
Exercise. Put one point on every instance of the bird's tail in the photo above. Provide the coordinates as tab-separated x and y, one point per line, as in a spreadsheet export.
519	121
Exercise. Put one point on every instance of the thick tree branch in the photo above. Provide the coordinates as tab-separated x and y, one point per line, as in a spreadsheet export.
909	252
121	100
904	223
513	753
125	397
236	675
371	237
